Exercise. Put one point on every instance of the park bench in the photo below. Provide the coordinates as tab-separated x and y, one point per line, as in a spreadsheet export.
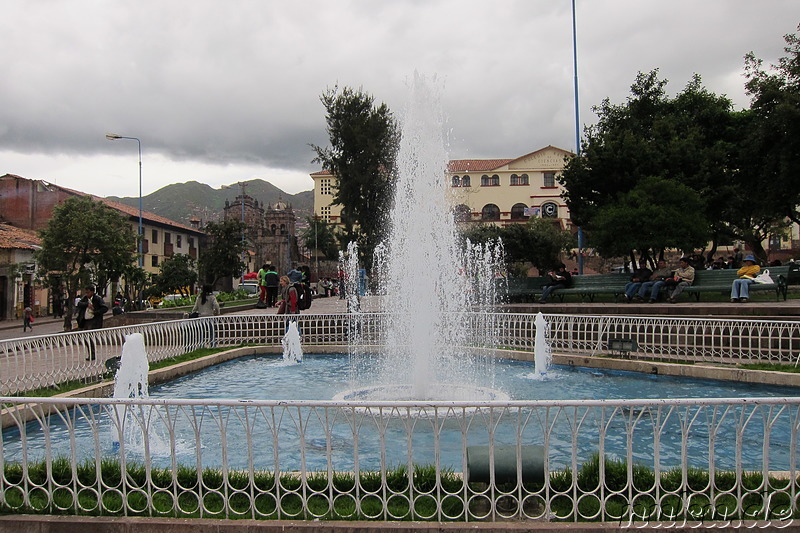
720	281
586	286
706	281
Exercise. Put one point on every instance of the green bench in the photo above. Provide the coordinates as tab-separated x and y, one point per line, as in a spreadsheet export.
586	286
706	281
720	281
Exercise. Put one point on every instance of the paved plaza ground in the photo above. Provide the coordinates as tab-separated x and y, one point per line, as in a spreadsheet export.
759	309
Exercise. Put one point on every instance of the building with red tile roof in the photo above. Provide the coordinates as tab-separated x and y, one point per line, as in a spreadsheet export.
494	191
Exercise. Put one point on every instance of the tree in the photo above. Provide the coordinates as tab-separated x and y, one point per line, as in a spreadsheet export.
84	242
177	274
537	242
633	224
773	142
222	255
322	237
364	140
693	139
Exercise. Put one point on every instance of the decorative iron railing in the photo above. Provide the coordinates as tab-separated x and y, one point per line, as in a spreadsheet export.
664	461
31	363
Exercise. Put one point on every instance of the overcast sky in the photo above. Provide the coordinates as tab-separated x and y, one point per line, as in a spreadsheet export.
222	91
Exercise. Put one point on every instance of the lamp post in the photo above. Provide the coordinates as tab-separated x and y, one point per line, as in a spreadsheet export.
577	120
115	137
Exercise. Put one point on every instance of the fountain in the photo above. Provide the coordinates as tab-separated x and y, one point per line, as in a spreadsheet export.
433	285
292	351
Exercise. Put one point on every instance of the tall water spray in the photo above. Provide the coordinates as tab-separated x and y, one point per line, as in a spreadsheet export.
431	283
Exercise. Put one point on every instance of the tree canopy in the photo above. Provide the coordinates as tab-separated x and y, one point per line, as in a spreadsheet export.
321	235
177	274
537	242
84	242
773	142
222	253
683	156
361	156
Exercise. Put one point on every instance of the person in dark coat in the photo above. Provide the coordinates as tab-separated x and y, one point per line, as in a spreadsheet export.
91	309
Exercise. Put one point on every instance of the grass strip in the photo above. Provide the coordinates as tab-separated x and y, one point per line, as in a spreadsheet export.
611	493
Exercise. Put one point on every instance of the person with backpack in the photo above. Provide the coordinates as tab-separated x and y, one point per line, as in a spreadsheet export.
289	297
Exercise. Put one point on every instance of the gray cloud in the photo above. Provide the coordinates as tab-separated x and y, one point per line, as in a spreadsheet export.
239	82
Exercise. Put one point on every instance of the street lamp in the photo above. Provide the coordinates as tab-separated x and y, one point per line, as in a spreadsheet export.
115	137
577	119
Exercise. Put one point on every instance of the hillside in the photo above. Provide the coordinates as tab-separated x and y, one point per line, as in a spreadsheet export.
182	201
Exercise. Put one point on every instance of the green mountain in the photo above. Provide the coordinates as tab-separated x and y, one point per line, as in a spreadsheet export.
182	201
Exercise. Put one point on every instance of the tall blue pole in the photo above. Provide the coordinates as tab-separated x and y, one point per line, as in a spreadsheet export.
577	119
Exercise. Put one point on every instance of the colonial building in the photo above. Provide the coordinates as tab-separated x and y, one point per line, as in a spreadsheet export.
17	273
29	204
496	191
271	232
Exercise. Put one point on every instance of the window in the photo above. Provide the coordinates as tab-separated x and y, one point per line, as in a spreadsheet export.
490	212
549	210
549	179
456	182
486	181
274	229
178	241
325	186
167	237
462	213
518	212
190	241
155	236
325	213
465	181
519	180
154	260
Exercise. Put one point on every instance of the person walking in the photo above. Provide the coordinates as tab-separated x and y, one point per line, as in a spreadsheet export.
740	289
27	319
91	308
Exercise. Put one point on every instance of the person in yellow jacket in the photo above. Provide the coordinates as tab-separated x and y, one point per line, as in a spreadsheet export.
740	290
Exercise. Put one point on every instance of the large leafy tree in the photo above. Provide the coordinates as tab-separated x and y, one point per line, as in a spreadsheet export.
773	143
633	224
85	241
361	156
691	140
222	254
177	274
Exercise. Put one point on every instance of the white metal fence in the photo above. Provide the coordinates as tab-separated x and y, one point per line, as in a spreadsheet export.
35	362
668	460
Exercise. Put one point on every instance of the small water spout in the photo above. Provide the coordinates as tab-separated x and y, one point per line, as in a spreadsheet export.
292	351
130	381
541	347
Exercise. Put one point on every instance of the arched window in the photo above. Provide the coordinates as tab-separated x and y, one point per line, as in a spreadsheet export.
462	213
495	181
490	212
274	229
456	182
518	212
465	181
550	210
283	229
519	180
484	180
